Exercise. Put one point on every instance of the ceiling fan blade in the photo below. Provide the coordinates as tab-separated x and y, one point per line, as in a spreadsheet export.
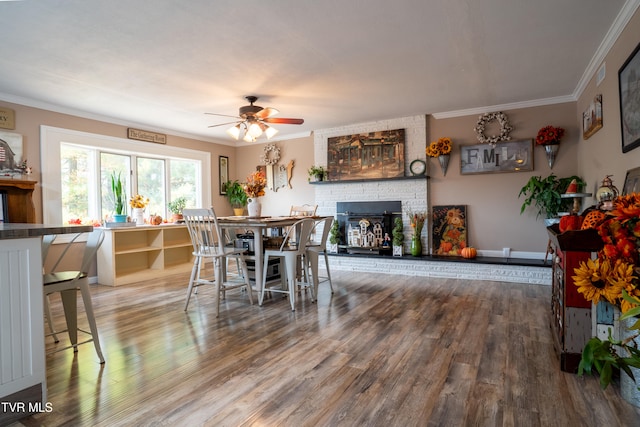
223	115
266	112
223	124
283	121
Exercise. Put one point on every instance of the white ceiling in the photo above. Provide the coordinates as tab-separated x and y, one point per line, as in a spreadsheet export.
160	65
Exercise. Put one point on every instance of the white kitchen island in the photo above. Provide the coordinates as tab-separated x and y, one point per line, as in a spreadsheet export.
23	388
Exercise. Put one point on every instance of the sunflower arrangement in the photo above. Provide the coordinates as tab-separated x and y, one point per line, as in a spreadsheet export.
549	135
256	182
615	270
614	277
138	201
440	147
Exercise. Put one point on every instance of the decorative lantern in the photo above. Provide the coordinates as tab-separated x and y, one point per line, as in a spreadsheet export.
606	194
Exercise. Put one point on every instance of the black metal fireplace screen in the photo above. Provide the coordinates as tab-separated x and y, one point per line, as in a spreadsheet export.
365	227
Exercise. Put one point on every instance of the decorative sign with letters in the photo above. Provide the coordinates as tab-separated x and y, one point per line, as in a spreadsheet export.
7	118
512	156
143	135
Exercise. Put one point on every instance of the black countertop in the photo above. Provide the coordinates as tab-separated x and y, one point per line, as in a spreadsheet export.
23	231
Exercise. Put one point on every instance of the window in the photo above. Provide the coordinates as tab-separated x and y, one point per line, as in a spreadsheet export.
77	168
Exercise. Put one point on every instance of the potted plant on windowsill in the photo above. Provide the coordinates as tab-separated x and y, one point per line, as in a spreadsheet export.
119	198
318	173
236	196
546	196
176	206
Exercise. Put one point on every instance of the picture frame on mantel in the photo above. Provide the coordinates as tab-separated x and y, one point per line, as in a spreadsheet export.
629	89
10	154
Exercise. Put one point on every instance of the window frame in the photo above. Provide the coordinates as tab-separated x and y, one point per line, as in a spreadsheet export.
51	186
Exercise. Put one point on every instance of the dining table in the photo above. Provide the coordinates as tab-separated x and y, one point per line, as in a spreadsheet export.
259	227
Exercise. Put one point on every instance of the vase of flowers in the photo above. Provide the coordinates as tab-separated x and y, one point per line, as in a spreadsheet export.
441	149
549	138
416	219
614	277
138	203
254	187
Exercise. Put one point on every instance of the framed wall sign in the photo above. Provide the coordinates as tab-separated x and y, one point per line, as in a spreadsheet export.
512	156
223	161
629	87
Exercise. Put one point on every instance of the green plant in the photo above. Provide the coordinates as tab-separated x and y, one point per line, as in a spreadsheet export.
604	356
118	194
334	233
397	232
318	172
235	194
176	206
545	194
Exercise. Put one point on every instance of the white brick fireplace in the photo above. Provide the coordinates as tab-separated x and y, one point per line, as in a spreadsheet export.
413	193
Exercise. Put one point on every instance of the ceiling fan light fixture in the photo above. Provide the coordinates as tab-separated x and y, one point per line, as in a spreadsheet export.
248	137
270	131
234	131
254	130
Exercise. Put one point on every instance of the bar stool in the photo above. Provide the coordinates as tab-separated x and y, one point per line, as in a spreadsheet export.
289	254
313	251
68	283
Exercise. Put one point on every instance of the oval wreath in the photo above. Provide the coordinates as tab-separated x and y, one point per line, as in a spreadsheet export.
271	155
505	128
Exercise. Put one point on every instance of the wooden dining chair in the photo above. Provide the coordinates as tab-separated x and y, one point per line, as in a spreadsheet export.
68	283
303	210
209	245
289	253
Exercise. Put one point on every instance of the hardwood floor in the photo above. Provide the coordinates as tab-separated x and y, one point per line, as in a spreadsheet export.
382	351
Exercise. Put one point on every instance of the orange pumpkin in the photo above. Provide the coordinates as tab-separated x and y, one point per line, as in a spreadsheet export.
593	219
469	252
570	222
155	219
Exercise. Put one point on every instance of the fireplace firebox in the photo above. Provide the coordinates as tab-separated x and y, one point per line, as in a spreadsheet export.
365	227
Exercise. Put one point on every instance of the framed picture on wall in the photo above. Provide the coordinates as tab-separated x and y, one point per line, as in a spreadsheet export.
224	174
592	118
631	182
363	156
629	87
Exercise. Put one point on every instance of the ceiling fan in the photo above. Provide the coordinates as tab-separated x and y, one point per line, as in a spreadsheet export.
253	119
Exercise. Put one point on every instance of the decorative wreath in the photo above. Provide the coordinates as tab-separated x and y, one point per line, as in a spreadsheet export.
505	128
271	155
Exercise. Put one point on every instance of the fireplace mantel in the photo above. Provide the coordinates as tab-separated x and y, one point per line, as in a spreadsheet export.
360	181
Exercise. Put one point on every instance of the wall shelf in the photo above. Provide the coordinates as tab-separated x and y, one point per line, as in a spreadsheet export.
360	181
